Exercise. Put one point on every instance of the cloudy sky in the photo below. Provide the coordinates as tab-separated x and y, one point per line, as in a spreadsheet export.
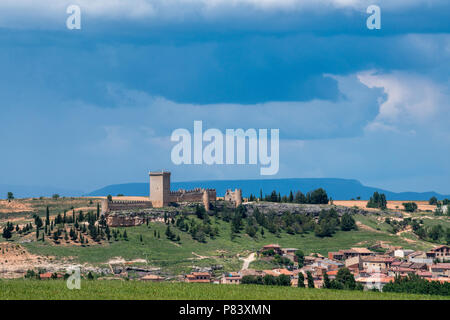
86	108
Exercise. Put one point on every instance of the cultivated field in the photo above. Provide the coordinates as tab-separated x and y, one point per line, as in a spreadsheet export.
137	290
393	205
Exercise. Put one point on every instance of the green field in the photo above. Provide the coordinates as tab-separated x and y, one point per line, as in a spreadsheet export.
136	290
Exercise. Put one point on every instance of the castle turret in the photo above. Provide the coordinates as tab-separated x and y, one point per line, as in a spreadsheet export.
238	197
105	206
206	199
159	188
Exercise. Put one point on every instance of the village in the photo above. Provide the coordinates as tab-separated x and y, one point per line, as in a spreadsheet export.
370	268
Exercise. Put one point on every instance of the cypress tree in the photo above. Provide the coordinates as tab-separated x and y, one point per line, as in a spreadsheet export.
310	279
301	280
47	216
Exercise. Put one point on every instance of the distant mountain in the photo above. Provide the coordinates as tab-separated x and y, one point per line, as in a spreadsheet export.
338	189
36	191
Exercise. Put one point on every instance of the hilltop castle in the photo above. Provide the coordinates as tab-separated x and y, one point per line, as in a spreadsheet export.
162	196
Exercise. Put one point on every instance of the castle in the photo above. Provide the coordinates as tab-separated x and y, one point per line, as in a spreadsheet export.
162	196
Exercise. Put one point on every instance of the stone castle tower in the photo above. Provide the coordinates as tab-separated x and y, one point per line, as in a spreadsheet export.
160	188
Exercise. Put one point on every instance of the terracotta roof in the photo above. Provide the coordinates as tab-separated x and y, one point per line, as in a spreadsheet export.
439	247
400	269
152	277
332	273
424	274
441	280
271	272
271	246
445	266
361	250
200	274
46	275
378	259
200	280
375	279
284	271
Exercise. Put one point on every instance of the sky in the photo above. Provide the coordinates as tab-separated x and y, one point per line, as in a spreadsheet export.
86	108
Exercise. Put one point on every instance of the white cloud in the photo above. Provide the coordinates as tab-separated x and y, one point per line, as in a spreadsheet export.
411	100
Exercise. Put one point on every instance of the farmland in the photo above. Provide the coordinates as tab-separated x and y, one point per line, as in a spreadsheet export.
137	290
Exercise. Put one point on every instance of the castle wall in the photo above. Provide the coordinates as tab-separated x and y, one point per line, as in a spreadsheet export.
117	205
195	195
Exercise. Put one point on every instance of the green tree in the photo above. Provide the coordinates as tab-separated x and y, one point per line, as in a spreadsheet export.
318	196
300	258
283	280
326	281
269	280
410	206
47	216
377	201
291	197
310	279
6	233
346	279
433	201
347	222
301	280
10	196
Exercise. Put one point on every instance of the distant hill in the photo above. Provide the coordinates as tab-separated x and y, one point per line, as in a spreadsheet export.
338	189
36	191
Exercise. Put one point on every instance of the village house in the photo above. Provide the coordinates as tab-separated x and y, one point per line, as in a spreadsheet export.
402	253
354	263
440	270
419	257
441	253
376	281
231	278
350	253
198	277
377	262
328	264
275	247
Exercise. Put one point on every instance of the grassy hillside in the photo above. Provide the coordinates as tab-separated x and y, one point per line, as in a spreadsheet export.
180	257
56	289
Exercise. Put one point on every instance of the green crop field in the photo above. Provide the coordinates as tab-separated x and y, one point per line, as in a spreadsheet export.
137	290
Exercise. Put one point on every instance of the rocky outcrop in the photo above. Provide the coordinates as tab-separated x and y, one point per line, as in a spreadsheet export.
309	209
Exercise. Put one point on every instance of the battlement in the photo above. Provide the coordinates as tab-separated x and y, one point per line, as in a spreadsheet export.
195	190
117	205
